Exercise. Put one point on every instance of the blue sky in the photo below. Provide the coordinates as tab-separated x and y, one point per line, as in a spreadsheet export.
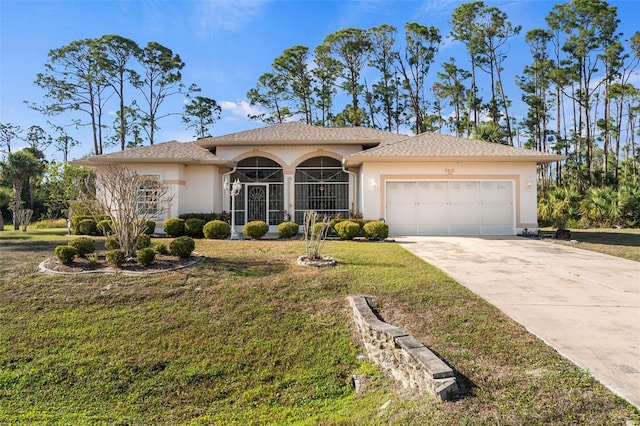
226	44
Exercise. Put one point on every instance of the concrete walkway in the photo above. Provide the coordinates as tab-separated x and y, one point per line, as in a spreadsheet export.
586	305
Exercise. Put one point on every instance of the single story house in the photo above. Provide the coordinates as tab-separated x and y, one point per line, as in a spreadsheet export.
429	184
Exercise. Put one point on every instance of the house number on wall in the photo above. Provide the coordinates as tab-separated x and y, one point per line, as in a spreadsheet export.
449	171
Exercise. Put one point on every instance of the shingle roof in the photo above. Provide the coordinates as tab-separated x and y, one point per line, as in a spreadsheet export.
436	147
167	152
295	133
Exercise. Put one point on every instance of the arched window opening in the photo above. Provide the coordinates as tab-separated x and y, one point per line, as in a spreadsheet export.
262	194
321	185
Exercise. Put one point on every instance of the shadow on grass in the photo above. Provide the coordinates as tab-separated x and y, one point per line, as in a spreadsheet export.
29	245
245	268
607	238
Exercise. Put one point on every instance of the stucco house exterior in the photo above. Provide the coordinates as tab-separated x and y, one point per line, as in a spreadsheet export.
429	184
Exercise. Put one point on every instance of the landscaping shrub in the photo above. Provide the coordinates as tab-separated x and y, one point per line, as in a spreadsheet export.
318	228
161	248
75	222
182	246
193	227
216	230
150	227
111	244
83	245
255	229
146	256
288	229
207	217
116	257
347	230
105	227
65	254
174	227
376	230
49	224
87	227
143	241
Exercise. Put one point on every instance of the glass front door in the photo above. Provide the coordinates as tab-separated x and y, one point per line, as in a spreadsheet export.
257	203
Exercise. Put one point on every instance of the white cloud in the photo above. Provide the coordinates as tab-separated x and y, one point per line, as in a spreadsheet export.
214	15
239	109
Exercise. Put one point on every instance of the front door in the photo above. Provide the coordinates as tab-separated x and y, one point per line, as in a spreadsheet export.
256	202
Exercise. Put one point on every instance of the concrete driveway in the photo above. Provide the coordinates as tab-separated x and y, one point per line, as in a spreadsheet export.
586	305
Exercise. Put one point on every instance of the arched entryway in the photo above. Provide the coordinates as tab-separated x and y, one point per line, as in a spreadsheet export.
262	194
321	185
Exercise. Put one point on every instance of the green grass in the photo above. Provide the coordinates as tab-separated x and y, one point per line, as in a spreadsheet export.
615	242
249	337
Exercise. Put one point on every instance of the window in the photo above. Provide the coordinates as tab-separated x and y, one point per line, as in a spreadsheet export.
148	199
323	186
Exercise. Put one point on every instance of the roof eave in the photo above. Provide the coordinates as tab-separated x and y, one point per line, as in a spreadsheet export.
356	161
89	162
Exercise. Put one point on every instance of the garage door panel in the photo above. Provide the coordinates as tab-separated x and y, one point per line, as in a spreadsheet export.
450	208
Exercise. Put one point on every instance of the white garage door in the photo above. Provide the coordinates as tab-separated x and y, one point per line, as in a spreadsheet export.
450	207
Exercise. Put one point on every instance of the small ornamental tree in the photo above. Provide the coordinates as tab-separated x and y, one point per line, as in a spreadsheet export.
129	201
315	234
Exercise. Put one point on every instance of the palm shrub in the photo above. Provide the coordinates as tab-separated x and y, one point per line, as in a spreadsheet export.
376	230
255	229
347	230
146	256
193	227
288	229
65	254
83	245
116	257
174	227
216	229
629	203
558	205
600	207
182	246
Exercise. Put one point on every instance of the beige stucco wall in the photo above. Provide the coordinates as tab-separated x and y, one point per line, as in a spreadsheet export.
371	196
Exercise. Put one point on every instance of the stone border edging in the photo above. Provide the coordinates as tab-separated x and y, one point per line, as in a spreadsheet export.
401	355
42	267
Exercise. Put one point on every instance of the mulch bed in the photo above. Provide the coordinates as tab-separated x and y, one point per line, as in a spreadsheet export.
82	265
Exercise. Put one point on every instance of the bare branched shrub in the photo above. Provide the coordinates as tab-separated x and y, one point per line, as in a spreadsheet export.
128	200
315	233
24	217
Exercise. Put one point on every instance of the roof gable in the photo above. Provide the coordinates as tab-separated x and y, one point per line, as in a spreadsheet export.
296	133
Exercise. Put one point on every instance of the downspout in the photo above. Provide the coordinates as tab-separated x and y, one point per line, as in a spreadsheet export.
355	184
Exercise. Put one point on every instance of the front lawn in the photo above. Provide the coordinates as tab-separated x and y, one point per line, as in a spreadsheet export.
615	242
250	337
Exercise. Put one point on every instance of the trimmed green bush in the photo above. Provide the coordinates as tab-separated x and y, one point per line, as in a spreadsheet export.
216	230
83	245
116	257
288	229
174	227
105	227
193	227
146	256
317	228
182	246
65	254
376	230
347	230
143	241
255	229
150	227
111	243
207	217
87	227
75	222
161	248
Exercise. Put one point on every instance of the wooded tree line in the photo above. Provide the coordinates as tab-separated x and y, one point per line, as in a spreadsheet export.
86	77
577	86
